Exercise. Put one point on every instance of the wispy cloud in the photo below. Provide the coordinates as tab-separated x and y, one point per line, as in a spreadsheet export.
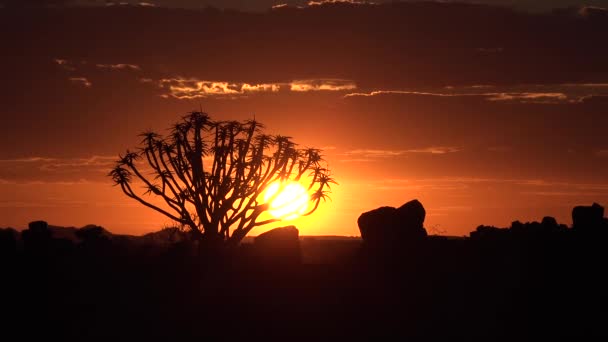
132	4
64	63
352	2
278	6
185	88
192	88
372	153
89	161
534	93
530	97
84	67
322	84
27	160
99	161
313	3
50	169
83	81
120	66
526	97
435	150
364	155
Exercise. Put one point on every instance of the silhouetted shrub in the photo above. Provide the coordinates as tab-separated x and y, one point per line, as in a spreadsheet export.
588	218
8	241
489	233
37	237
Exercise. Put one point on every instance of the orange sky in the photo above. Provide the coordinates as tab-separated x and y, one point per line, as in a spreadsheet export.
406	101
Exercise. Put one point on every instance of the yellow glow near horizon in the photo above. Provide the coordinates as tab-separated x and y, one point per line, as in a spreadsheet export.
288	200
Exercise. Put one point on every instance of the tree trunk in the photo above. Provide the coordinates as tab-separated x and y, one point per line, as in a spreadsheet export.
212	247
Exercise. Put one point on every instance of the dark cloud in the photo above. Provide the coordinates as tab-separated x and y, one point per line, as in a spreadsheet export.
593	12
263	5
382	47
35	3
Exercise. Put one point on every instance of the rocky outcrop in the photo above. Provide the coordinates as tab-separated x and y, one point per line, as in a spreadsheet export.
278	246
389	226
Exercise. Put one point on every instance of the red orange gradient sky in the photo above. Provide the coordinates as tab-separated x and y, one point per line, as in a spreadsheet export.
484	114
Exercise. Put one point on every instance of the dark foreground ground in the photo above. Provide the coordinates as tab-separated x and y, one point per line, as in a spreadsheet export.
438	289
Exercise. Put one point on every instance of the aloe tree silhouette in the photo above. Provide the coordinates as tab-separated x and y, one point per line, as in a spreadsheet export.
210	175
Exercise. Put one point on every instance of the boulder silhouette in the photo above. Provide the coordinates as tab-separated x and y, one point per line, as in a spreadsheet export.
8	241
587	217
388	225
412	214
549	223
279	246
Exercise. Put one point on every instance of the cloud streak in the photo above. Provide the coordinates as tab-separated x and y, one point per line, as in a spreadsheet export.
365	155
348	2
64	63
314	3
84	66
55	170
192	88
567	93
82	81
119	66
322	84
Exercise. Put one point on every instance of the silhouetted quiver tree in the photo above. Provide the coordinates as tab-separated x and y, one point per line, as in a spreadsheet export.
210	175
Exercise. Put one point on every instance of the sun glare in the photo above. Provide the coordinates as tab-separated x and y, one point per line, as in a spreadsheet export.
288	200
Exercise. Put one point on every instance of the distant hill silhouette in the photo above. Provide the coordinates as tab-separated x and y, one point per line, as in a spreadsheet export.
530	281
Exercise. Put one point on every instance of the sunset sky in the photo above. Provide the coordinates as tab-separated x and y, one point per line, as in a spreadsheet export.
485	114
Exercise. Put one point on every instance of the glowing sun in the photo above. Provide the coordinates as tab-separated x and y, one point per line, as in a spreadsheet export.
287	200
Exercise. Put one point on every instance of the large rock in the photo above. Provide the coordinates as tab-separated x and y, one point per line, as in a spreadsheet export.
588	217
412	214
388	225
279	246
